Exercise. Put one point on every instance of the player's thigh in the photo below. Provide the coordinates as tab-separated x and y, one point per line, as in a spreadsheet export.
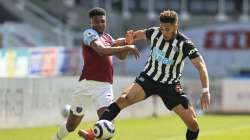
80	103
91	93
133	94
103	98
188	116
78	107
82	97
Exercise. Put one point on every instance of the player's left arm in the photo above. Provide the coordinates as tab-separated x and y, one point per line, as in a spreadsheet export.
200	65
192	52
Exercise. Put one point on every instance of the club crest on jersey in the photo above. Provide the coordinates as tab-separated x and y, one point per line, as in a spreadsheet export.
178	88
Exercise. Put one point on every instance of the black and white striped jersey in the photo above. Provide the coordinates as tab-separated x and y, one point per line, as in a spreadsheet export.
166	60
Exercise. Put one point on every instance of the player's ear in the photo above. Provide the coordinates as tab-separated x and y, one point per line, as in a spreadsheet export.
91	22
177	23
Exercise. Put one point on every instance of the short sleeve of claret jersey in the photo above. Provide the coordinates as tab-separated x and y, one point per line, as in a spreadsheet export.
190	50
149	32
89	35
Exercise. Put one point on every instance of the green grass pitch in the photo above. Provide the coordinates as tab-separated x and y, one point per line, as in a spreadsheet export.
213	127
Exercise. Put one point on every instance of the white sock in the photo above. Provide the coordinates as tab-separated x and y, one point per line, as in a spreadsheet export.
62	132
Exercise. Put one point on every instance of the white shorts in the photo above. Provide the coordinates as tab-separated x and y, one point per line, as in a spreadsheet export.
89	92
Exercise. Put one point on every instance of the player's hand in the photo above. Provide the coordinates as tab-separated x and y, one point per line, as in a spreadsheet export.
132	49
130	37
205	100
119	42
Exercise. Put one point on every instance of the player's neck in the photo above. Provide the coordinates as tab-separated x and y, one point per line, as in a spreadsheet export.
172	38
100	33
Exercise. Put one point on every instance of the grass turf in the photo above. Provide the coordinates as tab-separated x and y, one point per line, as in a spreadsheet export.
212	127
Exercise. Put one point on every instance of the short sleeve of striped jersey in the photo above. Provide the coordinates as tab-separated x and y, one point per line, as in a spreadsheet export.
89	35
190	50
149	32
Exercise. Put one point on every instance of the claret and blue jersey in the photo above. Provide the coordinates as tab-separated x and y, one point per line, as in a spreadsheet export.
97	68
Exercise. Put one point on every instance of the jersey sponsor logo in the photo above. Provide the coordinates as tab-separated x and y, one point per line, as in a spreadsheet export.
160	56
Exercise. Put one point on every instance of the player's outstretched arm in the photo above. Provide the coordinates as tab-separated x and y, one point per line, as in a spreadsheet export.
102	50
132	36
200	65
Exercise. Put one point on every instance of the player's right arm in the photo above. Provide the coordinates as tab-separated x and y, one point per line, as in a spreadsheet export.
132	36
91	39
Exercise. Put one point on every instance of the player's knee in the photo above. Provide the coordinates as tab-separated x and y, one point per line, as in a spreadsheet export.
77	110
193	125
123	101
129	98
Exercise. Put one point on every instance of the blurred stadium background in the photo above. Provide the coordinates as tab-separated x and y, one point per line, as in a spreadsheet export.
40	54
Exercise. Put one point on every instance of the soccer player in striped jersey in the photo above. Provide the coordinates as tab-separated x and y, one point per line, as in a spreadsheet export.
95	83
162	73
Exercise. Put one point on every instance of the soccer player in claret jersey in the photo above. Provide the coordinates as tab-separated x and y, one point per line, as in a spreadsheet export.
162	73
95	83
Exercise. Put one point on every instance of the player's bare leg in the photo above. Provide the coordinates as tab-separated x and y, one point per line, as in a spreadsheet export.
189	118
69	126
132	95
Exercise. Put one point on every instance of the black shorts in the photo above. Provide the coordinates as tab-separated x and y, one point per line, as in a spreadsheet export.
171	95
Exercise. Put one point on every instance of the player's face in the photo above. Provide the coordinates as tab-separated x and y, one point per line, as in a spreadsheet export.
168	30
98	23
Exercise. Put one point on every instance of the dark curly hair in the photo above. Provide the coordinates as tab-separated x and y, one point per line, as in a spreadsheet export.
97	11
